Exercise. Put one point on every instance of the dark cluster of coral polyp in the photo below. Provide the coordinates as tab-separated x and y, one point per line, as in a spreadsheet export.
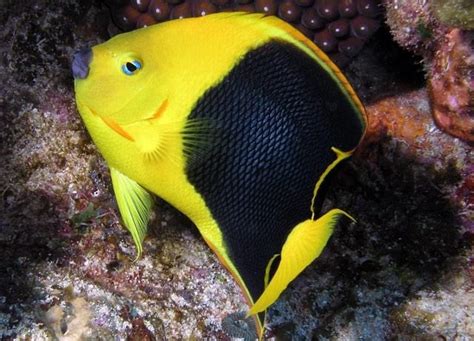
339	27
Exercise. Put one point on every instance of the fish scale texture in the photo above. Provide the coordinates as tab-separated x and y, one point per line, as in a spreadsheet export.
272	122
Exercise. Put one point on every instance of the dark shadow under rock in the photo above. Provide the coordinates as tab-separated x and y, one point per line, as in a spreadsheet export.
384	69
29	235
407	237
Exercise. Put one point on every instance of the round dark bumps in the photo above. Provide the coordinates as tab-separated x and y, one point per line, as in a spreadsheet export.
245	8
339	58
203	7
221	2
140	5
126	17
183	10
327	9
363	27
289	11
307	32
304	3
325	40
268	7
351	46
145	20
347	8
159	9
369	8
312	20
339	28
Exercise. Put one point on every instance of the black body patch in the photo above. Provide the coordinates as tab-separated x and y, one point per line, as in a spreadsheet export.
273	119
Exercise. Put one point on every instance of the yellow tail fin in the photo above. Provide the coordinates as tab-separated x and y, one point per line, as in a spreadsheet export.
303	245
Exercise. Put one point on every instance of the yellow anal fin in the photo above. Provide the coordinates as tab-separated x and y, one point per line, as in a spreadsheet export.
268	269
134	204
303	245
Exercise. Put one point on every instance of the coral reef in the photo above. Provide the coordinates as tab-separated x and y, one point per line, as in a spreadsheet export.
451	84
339	27
405	270
439	32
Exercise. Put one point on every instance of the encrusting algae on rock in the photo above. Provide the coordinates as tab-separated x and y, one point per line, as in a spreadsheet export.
441	32
455	13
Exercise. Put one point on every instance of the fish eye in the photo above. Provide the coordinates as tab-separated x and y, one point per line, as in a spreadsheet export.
131	67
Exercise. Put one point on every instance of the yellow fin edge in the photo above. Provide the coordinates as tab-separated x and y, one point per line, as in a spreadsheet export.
223	259
340	155
303	245
267	270
324	61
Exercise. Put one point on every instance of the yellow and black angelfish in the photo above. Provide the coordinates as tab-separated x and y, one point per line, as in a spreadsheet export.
235	119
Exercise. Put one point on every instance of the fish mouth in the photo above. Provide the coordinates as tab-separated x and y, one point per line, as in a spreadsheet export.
119	129
113	124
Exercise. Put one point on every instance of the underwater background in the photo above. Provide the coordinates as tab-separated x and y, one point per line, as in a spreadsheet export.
405	270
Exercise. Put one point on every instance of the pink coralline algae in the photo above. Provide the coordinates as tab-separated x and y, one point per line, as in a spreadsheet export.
447	48
451	84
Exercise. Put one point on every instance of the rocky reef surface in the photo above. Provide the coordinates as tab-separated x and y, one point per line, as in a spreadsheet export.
405	270
442	33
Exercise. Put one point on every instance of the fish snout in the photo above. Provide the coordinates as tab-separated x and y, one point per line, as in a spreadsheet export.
80	63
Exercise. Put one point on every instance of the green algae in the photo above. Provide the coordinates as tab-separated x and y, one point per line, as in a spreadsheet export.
82	218
457	13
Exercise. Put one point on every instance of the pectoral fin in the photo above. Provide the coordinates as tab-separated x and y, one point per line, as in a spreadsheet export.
135	204
303	245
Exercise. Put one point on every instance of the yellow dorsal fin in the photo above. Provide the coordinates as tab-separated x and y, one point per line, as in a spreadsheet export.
241	15
303	245
340	155
134	204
